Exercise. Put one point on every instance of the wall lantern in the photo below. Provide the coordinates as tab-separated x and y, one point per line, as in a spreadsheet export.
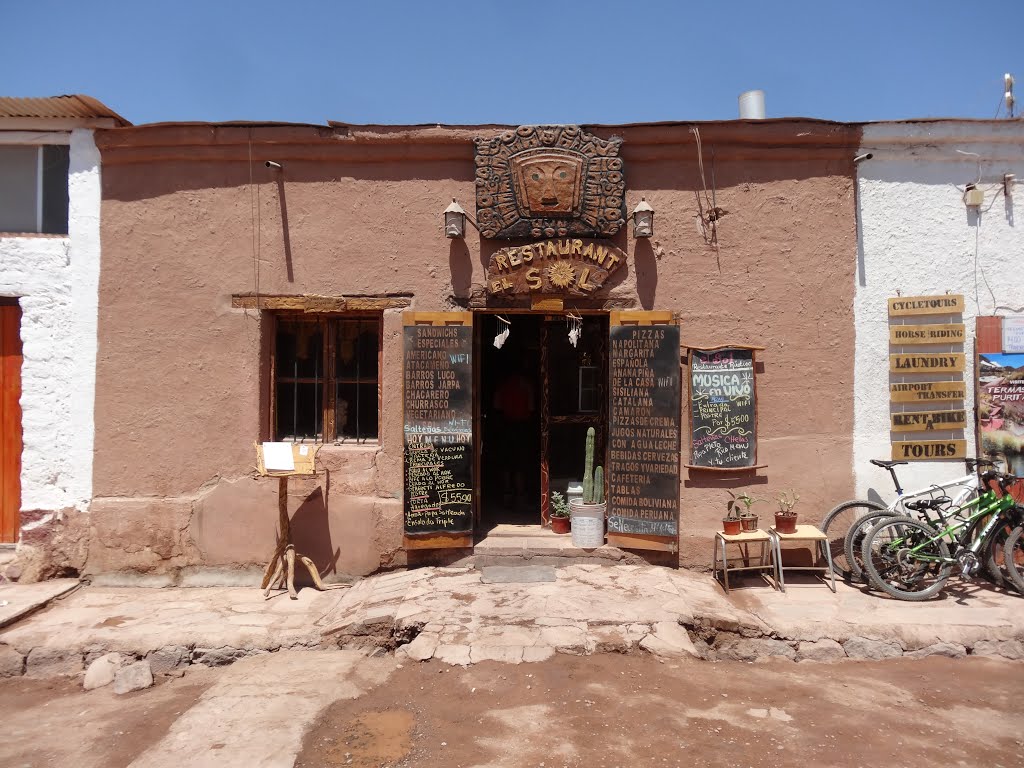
643	219
454	220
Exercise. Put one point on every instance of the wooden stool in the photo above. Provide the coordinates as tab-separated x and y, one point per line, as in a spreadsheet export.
744	539
803	533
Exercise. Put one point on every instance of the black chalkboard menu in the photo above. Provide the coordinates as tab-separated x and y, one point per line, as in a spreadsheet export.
438	426
723	415
644	430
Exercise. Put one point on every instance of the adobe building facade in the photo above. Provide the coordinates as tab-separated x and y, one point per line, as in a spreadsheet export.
270	282
221	274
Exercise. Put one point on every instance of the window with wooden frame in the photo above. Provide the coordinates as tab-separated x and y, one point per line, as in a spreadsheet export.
326	376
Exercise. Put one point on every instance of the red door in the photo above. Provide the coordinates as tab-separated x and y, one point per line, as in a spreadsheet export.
10	420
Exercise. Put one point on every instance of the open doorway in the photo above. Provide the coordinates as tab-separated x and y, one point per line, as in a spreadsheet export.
510	389
575	378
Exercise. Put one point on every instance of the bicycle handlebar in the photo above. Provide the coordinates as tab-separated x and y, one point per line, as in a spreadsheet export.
1003	480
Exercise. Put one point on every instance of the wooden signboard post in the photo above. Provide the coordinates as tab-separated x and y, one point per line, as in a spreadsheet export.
906	306
913	354
926	391
438	429
922	421
940	333
928	450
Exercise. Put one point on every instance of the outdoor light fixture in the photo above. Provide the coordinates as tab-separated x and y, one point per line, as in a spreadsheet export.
643	219
454	220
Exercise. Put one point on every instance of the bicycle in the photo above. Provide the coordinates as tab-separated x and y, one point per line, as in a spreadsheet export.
935	512
840	520
910	560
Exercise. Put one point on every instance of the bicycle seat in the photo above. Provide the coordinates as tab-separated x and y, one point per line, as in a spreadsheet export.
886	464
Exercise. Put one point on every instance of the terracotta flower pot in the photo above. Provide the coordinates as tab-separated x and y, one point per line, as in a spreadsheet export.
748	522
730	527
560	525
785	523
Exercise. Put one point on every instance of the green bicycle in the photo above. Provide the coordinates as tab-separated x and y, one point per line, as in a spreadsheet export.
911	560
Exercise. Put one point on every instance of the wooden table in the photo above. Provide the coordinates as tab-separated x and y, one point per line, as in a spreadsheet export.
808	533
765	559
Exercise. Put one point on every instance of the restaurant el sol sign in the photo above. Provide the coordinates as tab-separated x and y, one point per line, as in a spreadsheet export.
559	266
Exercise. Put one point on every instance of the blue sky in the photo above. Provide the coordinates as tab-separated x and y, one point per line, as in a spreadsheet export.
515	62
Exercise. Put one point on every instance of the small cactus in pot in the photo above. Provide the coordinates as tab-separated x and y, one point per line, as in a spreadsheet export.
740	507
785	518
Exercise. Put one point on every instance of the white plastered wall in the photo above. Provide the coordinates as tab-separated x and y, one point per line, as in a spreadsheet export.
916	236
56	280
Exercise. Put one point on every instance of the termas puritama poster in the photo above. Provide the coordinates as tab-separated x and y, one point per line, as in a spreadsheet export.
1001	409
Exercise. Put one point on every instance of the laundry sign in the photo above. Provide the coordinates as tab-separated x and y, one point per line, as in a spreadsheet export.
946	362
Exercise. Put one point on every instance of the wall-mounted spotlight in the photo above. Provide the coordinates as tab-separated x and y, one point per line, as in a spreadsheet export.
643	219
272	164
454	220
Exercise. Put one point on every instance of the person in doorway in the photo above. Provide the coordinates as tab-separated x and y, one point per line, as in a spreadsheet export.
514	403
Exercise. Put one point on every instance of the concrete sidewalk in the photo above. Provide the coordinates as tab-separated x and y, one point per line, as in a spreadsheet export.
510	614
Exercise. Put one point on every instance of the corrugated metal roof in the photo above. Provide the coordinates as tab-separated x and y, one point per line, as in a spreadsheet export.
67	106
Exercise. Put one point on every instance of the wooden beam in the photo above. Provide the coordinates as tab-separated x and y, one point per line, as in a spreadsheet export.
440	541
312	303
643	541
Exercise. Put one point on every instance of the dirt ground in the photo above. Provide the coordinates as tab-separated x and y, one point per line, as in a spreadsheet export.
51	723
598	711
610	710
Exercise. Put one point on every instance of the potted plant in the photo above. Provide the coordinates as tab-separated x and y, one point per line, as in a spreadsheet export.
588	532
740	507
731	521
559	513
785	518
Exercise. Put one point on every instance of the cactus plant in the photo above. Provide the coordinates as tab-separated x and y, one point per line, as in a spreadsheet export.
588	469
599	485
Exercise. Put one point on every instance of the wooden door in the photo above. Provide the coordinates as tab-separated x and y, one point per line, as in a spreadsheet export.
644	431
439	428
10	420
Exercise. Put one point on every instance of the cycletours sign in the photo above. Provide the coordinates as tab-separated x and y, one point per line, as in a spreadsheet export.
723	423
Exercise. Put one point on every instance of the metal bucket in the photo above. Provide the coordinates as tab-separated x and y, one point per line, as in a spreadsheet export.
587	524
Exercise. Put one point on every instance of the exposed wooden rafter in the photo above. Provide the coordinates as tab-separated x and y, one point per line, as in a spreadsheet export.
313	303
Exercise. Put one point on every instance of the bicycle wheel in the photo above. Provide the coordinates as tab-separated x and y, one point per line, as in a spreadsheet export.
993	558
837	523
895	569
854	540
1013	558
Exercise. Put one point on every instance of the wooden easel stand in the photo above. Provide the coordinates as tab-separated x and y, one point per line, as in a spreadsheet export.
280	570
